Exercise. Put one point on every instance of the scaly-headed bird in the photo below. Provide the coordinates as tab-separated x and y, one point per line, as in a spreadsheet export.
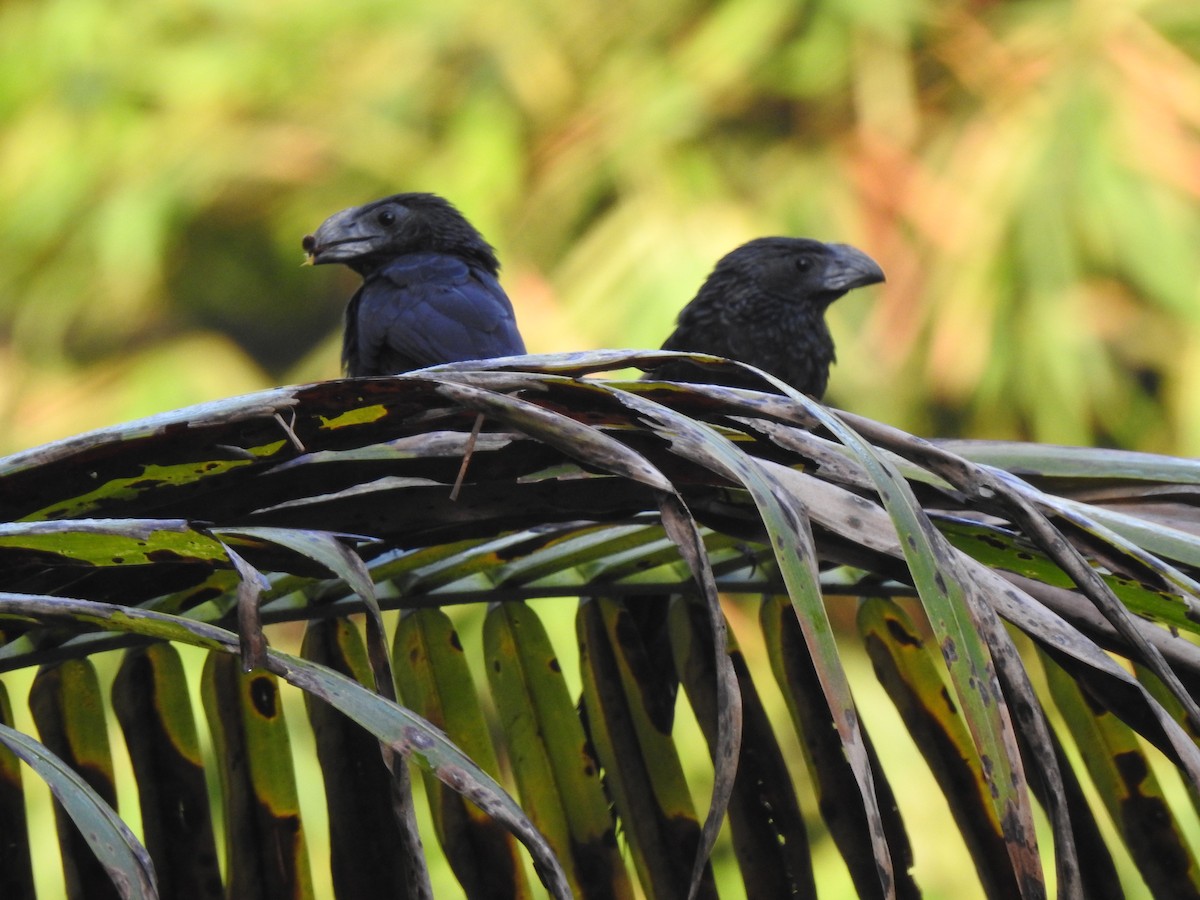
764	304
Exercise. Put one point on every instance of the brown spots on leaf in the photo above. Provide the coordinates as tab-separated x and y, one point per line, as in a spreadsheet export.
989	767
264	696
168	556
1132	768
902	635
949	701
950	651
417	739
453	777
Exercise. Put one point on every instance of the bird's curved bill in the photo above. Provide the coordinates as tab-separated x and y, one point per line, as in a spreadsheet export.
343	236
851	268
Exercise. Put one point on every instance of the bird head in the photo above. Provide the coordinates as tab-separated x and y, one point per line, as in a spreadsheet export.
366	237
802	268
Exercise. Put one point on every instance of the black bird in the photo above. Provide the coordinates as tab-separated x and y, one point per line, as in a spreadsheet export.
764	304
430	292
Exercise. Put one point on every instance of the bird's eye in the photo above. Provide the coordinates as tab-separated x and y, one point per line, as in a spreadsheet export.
803	263
387	218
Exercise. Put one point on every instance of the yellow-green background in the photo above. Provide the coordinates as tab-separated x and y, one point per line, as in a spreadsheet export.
1027	173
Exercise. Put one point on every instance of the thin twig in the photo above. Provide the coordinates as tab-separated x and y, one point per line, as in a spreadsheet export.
289	430
462	470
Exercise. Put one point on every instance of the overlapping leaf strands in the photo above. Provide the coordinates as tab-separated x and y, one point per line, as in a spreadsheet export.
1025	607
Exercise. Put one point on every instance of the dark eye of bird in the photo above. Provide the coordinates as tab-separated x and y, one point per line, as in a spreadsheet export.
803	263
387	218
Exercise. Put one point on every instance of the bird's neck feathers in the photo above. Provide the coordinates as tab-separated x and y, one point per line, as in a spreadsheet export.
751	301
461	239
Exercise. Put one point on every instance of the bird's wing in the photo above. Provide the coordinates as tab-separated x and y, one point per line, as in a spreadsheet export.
351	352
428	308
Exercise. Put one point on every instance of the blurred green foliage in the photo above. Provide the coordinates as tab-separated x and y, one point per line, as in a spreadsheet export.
1028	173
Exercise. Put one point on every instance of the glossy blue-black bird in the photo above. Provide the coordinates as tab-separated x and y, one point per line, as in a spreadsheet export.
430	292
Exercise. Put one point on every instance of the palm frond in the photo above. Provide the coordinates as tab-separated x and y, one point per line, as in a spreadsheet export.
321	501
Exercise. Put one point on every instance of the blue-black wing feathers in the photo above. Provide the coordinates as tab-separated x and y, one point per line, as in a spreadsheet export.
428	308
430	292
